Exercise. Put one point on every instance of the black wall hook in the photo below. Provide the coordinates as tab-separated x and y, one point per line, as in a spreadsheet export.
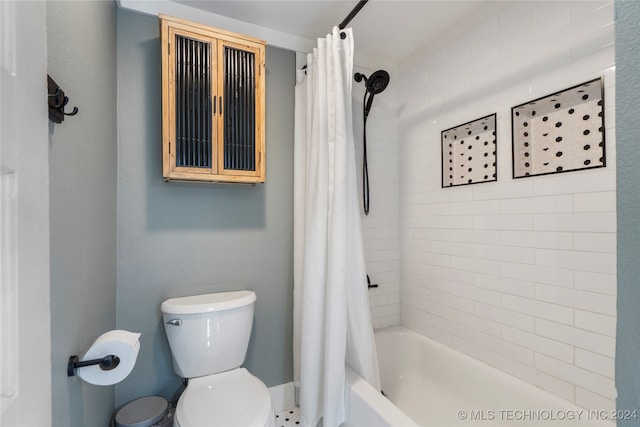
57	101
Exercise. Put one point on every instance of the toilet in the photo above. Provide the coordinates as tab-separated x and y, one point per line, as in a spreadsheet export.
208	336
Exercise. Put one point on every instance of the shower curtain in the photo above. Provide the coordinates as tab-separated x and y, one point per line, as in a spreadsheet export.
332	321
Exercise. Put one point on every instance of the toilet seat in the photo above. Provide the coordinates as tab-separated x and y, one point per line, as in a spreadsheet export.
228	399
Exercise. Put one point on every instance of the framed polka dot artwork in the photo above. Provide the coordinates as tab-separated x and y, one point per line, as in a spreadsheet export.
561	132
469	153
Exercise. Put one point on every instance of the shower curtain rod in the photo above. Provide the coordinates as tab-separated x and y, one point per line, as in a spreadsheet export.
345	22
352	14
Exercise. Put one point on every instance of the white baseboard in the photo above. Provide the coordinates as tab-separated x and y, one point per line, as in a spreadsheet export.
283	396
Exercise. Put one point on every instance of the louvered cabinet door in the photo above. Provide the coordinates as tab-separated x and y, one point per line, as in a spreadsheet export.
213	104
242	112
189	120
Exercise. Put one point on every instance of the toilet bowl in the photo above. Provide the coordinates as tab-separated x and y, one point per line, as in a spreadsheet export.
208	336
232	398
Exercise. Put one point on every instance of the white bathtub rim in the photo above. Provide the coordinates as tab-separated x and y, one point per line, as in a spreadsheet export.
388	413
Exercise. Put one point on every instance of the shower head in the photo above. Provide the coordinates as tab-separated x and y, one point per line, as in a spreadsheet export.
376	83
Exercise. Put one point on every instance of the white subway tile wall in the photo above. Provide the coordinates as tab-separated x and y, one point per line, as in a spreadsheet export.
381	228
520	274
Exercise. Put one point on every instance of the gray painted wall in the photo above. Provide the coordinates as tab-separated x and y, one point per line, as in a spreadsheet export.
81	46
628	181
178	239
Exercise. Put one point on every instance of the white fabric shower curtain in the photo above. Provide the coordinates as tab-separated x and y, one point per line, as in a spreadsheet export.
332	321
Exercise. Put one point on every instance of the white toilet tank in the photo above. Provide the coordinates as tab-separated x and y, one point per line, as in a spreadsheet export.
208	333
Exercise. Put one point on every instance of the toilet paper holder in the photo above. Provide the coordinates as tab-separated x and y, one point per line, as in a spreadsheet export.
107	363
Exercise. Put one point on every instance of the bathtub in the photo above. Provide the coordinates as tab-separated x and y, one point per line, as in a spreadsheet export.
430	384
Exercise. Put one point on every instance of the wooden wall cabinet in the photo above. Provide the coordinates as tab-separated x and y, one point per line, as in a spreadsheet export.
213	97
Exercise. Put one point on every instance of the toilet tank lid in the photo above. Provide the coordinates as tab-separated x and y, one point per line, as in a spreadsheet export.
208	302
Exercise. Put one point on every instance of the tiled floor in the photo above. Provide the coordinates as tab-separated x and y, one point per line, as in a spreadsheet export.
288	418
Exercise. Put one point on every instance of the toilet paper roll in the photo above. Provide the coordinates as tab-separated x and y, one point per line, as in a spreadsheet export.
123	344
